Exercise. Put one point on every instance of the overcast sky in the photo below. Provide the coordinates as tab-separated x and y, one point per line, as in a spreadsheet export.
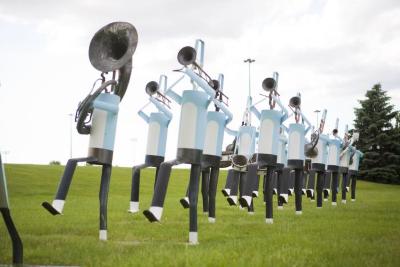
331	51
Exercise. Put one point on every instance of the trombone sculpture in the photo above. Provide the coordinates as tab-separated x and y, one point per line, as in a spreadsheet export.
156	138
212	152
192	125
297	132
268	144
111	50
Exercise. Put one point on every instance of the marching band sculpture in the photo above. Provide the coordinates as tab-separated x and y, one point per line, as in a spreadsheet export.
5	212
284	157
270	125
245	140
297	147
191	137
156	136
111	50
211	158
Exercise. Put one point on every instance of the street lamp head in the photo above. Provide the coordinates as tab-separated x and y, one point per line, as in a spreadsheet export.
249	60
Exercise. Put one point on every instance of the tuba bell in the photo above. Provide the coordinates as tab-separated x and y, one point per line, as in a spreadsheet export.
110	50
239	162
310	149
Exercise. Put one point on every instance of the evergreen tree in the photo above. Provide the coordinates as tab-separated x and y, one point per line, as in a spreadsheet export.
378	125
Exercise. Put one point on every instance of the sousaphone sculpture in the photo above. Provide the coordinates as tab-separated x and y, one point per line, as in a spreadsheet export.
110	51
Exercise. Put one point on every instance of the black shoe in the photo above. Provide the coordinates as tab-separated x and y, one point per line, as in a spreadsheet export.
50	208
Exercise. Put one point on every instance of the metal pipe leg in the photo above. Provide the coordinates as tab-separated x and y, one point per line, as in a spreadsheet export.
57	206
291	182
229	183
15	238
298	179
248	182
311	184
205	181
344	182
334	189
193	195
320	187
134	203
279	189
284	194
154	213
212	192
327	184
103	197
353	187
269	195
232	199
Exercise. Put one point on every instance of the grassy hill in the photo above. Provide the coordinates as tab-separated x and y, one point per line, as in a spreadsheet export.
363	233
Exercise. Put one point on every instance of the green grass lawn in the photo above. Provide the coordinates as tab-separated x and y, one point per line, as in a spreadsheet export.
363	233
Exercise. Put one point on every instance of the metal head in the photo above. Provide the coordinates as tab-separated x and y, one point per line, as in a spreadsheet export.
113	46
295	102
187	55
151	88
269	84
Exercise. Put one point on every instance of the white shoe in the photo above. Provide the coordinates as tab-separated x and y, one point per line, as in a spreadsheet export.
269	221
344	201
334	204
193	238
299	212
133	207
211	220
58	205
154	214
103	235
248	200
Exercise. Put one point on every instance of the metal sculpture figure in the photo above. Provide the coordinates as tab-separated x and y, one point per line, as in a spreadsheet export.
212	152
297	149
345	155
268	144
332	168
355	159
191	136
5	211
243	152
156	136
111	50
282	170
318	163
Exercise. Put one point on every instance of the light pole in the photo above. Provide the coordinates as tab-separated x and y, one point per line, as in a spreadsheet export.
70	134
249	60
247	114
317	111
